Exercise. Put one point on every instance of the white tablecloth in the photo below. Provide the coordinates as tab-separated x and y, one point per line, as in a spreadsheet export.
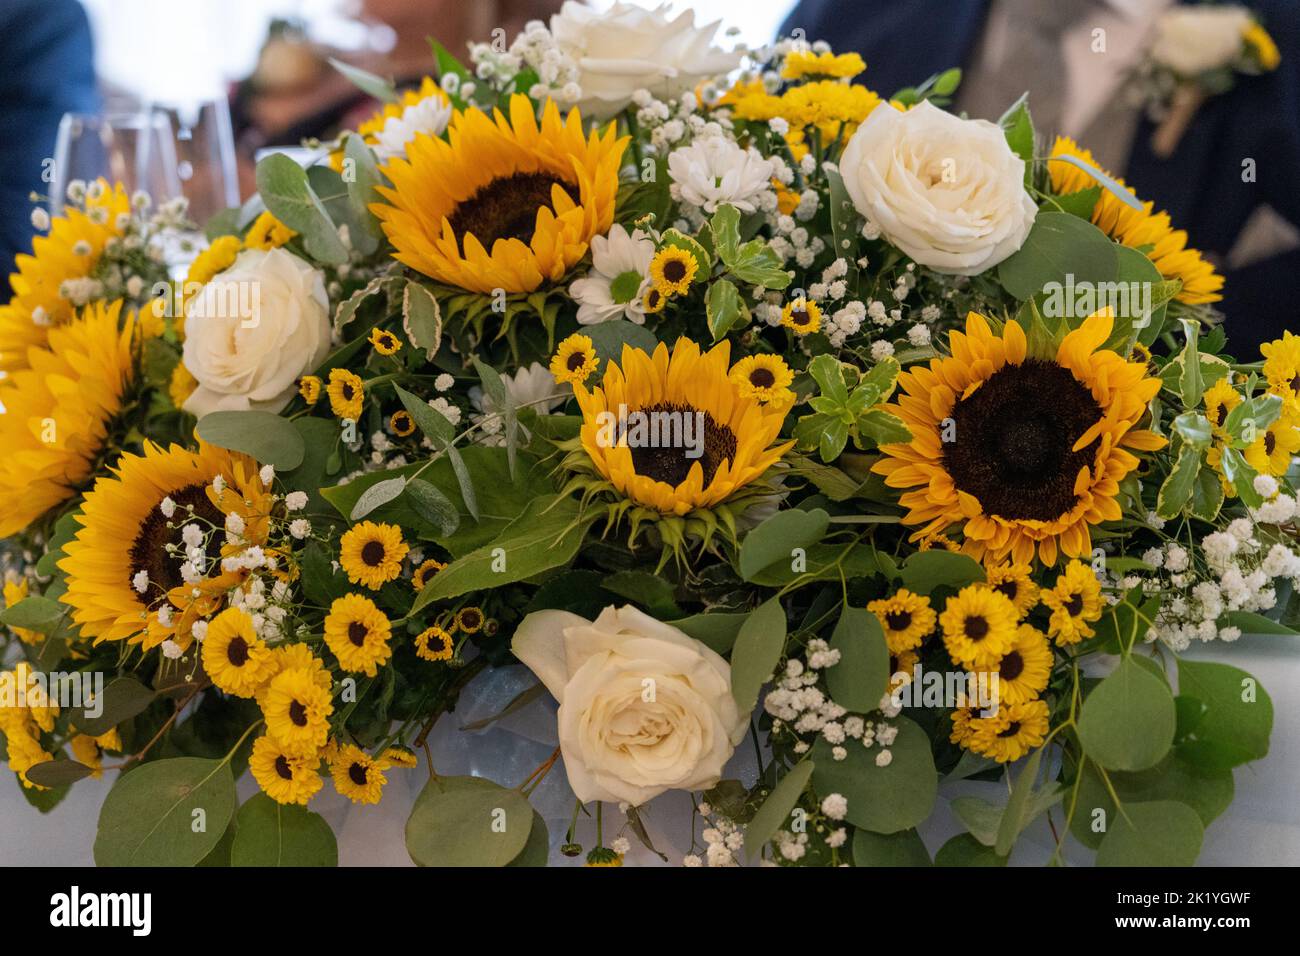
1261	828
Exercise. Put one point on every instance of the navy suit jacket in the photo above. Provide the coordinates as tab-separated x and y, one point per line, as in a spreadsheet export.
46	69
1200	185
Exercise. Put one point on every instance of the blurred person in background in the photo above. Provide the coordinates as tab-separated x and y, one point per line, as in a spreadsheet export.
294	93
46	70
1005	47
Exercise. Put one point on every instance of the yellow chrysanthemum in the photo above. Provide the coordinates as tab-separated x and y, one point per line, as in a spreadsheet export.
1220	399
763	377
297	711
1075	602
1271	453
1038	447
962	729
835	108
653	301
731	438
434	644
358	632
801	63
235	659
672	270
25	751
750	101
357	775
574	360
1023	671
1259	40
1149	232
401	424
1015	730
802	316
299	657
1014	581
267	232
1282	368
501	204
347	394
89	750
283	777
906	618
71	250
371	553
126	541
470	619
212	261
55	412
385	342
15	591
309	387
397	757
979	626
425	571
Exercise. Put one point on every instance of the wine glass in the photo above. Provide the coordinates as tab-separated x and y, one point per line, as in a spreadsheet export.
136	149
205	152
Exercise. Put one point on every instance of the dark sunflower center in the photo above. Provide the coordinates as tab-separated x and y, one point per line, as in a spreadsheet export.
898	620
282	767
237	651
576	361
1009	588
372	553
1222	415
1013	728
977	628
1074	605
1295	384
1012	666
1270	443
674	270
506	208
149	550
1014	439
652	298
762	378
357	633
298	714
470	618
668	461
357	774
800	317
347	391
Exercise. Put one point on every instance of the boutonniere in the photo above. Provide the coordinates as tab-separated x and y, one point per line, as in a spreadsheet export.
1197	52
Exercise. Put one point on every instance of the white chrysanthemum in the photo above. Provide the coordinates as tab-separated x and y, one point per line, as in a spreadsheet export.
717	170
430	115
619	266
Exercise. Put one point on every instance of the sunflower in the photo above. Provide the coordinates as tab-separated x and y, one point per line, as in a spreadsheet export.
385	342
425	571
56	411
575	360
267	232
1024	670
653	301
501	204
71	251
732	435
401	424
1014	581
803	316
1011	733
1039	445
1151	233
470	619
907	619
126	536
309	387
1282	368
1220	399
763	377
434	644
358	632
297	711
803	63
347	394
1075	602
235	659
357	775
283	777
979	626
1271	453
371	554
672	270
15	591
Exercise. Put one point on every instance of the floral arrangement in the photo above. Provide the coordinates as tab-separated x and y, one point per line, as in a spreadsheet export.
728	396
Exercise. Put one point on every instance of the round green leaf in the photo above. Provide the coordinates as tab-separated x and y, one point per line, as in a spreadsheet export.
267	437
1238	718
776	808
1159	833
778	537
903	848
538	848
273	834
861	678
467	821
926	570
1058	245
881	799
965	850
757	652
1127	722
57	773
166	813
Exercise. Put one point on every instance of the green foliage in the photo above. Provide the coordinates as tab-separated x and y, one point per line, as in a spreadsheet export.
885	799
273	834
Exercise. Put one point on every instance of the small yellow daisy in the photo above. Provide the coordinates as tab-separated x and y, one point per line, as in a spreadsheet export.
1014	581
906	618
358	632
470	619
802	316
347	395
1075	602
672	270
575	360
979	626
357	775
653	301
434	644
424	572
309	387
371	553
764	377
401	424
283	777
235	658
385	342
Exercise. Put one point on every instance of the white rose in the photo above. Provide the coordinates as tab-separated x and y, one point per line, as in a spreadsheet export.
253	330
948	192
628	48
643	707
1191	40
